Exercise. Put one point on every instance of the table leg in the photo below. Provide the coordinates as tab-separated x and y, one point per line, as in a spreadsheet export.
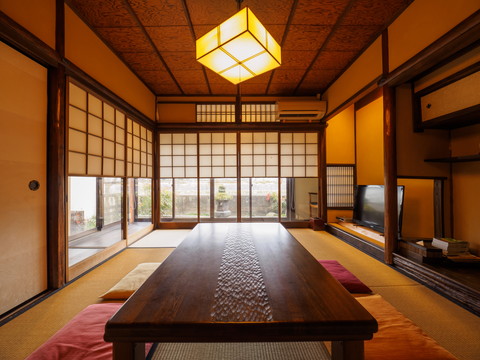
347	350
128	351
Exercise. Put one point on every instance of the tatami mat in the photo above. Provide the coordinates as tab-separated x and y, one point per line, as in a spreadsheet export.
162	239
453	327
242	351
450	325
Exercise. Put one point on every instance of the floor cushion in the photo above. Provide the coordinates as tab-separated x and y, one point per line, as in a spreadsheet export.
398	338
131	282
345	277
81	337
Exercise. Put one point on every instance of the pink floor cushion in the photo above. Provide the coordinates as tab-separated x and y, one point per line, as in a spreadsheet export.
81	337
345	277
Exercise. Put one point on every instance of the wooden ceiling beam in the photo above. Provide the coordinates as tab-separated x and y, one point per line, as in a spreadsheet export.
325	43
194	36
149	39
282	43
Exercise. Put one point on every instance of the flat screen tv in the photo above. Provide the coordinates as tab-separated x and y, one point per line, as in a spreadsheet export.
369	207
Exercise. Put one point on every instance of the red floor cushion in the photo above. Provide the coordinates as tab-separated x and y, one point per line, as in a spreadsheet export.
345	277
81	337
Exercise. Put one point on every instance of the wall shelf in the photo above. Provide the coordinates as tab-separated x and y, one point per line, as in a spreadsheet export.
454	159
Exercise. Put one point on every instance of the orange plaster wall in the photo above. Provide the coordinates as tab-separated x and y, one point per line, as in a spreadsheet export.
414	147
176	113
38	17
340	140
423	22
466	203
369	143
363	71
89	53
466	186
418	208
340	143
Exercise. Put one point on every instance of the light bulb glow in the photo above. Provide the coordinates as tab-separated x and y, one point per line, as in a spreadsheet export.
239	48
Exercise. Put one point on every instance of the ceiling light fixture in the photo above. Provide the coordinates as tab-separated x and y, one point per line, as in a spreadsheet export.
239	48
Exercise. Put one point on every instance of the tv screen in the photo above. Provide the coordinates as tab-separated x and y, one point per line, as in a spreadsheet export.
369	206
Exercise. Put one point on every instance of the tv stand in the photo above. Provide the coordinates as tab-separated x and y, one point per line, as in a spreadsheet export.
460	284
365	239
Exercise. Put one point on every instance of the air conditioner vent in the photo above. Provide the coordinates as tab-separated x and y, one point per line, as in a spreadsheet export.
301	110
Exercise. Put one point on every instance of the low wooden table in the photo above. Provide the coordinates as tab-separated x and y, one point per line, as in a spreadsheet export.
240	283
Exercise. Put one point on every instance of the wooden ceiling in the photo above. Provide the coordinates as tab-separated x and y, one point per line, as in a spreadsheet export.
319	39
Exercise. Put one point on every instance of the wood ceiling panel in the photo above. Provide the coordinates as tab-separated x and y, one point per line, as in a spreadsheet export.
253	89
320	77
172	38
270	12
181	60
105	13
297	59
325	12
166	23
223	88
159	12
159	80
129	39
143	61
334	59
374	12
210	12
196	89
306	37
287	76
165	89
282	89
189	76
352	38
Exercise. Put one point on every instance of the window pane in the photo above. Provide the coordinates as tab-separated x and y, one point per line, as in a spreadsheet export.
260	199
139	204
95	208
296	203
185	199
206	203
225	198
166	199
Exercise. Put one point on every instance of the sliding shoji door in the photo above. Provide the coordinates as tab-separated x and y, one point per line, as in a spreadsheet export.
23	146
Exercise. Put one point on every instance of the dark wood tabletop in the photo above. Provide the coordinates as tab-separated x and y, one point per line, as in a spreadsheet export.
240	283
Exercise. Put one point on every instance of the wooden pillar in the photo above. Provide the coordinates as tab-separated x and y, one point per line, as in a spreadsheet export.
390	173
156	180
322	174
56	172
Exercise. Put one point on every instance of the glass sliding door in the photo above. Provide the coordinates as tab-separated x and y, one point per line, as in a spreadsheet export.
199	176
95	207
261	199
225	196
185	200
139	204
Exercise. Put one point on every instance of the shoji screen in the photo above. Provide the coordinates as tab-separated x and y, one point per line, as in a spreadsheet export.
139	150
178	155
298	155
217	155
259	154
102	141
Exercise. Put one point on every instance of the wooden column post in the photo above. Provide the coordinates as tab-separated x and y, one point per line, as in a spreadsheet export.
322	174
156	180
56	172
390	173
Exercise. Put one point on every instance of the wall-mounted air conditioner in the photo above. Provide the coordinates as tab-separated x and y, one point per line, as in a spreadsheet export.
301	110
